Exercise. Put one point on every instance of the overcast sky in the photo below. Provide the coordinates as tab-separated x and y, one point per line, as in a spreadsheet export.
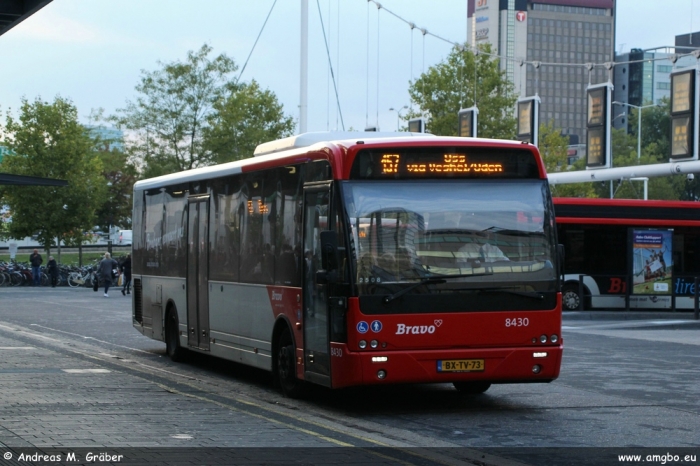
93	51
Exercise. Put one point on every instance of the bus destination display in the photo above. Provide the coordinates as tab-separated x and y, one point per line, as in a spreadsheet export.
450	163
444	163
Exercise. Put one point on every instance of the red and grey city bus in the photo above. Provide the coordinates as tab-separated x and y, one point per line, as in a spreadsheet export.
345	259
599	247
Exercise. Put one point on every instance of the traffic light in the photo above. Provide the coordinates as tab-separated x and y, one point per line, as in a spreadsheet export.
528	115
684	115
598	118
467	122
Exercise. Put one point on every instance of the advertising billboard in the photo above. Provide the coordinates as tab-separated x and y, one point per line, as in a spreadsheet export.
652	261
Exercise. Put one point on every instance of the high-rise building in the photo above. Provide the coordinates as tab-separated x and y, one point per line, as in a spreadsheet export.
643	77
544	47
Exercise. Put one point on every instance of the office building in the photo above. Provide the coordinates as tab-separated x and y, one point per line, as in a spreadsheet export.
643	77
544	46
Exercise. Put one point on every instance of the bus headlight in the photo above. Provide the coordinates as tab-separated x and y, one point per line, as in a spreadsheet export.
554	338
543	339
363	344
373	344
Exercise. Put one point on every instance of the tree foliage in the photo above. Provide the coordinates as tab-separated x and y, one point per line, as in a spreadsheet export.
243	119
553	147
120	175
183	112
171	111
463	80
47	141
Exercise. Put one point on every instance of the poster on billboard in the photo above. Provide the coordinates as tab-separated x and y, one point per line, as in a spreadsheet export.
652	261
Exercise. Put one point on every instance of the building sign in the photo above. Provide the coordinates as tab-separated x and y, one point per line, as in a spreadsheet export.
652	262
482	34
481	19
521	16
482	4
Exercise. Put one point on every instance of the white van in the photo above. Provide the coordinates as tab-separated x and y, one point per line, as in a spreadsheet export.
124	237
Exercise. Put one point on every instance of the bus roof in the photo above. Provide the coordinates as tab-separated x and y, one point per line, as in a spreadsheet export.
308	142
309	139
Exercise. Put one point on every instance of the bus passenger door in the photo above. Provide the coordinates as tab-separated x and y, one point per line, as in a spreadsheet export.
316	326
198	272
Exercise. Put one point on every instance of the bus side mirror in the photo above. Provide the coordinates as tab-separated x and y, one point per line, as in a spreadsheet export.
329	250
560	260
329	258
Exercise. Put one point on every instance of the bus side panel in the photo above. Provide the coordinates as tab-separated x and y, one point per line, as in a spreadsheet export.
159	291
241	320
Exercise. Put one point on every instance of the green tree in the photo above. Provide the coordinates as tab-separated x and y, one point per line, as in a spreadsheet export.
120	175
461	81
47	141
172	109
246	117
553	147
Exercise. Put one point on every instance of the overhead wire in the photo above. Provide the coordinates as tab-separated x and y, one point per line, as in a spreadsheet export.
256	41
606	65
330	64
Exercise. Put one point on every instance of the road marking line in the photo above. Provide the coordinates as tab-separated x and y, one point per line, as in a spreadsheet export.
90	338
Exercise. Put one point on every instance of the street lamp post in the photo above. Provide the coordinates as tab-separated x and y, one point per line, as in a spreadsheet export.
398	114
639	123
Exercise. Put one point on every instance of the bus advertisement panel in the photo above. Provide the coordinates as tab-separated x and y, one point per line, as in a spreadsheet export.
652	264
357	260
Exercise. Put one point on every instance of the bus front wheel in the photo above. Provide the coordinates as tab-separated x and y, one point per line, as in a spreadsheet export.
473	388
286	367
172	337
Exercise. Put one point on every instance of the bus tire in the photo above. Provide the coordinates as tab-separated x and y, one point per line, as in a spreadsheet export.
473	388
172	337
286	366
570	299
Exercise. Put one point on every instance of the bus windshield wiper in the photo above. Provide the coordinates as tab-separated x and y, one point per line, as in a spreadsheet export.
430	281
509	290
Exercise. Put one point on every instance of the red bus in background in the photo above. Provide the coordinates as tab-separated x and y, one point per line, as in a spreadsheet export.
355	259
596	238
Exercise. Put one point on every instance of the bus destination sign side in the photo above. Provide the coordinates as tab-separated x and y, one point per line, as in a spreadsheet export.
450	163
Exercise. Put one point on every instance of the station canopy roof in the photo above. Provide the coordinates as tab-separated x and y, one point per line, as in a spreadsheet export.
13	12
21	180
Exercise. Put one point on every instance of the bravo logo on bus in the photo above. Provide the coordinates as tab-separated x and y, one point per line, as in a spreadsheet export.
403	329
652	264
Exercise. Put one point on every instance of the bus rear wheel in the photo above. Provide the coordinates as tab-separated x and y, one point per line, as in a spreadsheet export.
286	366
172	337
570	299
473	388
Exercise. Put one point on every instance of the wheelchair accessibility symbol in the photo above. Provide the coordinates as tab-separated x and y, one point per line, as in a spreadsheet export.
362	327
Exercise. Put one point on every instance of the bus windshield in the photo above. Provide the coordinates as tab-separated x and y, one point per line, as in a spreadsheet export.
417	237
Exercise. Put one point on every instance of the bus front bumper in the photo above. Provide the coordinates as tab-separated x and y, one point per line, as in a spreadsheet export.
495	365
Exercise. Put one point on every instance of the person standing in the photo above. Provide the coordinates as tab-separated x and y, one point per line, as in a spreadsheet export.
36	261
104	271
126	271
52	270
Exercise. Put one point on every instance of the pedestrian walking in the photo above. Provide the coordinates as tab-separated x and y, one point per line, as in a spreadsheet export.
107	270
36	261
52	270
126	275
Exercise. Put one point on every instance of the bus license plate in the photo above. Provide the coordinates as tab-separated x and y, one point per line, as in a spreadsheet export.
461	365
